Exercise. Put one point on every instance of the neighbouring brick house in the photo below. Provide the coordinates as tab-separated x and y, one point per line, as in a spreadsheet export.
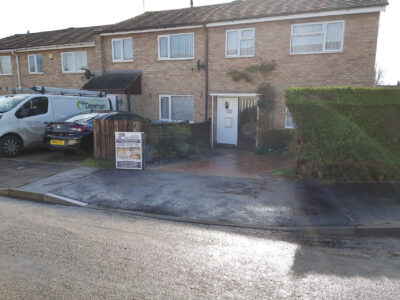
184	56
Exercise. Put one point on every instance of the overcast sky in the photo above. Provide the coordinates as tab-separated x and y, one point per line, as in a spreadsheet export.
40	15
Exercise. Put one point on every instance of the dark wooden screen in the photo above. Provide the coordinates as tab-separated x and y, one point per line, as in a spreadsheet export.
104	136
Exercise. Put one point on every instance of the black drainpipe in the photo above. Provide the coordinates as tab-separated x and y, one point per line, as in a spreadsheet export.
206	71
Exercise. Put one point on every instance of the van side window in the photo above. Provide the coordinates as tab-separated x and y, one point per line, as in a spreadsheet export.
34	107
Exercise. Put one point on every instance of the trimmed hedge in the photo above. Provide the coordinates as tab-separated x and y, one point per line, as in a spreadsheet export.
275	141
347	133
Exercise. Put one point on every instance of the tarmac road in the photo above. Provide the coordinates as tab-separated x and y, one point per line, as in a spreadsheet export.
57	252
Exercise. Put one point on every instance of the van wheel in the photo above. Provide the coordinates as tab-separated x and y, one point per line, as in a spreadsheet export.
10	146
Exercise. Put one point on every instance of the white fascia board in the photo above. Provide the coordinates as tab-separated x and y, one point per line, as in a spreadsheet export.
52	47
150	30
302	16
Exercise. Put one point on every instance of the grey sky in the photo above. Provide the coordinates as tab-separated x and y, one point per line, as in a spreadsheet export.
41	15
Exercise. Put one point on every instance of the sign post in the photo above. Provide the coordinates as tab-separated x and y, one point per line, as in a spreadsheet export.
129	150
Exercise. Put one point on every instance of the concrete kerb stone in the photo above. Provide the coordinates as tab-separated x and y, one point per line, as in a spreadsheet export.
53	198
349	230
40	197
3	192
22	194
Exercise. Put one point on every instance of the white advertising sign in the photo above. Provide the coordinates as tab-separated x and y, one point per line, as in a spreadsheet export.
129	150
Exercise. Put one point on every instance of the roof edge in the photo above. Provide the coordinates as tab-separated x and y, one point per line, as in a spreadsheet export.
261	18
51	47
299	15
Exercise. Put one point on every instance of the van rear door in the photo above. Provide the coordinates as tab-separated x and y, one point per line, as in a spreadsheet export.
31	118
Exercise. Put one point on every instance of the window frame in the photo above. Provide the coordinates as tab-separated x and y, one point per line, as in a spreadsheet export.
7	74
169	46
170	108
75	71
239	30
324	32
286	120
17	113
35	58
122	49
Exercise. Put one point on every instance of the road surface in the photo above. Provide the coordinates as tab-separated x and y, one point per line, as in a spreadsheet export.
56	252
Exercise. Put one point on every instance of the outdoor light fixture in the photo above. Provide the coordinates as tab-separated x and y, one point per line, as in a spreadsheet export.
51	57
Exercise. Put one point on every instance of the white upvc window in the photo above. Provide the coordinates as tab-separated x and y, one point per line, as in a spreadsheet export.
74	62
35	64
239	43
176	108
122	50
289	124
176	46
323	37
5	65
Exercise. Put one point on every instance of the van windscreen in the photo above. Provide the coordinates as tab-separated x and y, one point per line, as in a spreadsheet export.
7	103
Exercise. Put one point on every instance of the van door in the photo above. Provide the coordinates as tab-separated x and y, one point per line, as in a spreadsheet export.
32	116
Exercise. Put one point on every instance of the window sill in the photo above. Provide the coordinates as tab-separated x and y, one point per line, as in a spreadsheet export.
122	61
6	74
168	59
239	56
36	73
174	121
322	52
73	72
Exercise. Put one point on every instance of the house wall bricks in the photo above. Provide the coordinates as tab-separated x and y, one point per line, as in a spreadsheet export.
52	73
162	77
353	66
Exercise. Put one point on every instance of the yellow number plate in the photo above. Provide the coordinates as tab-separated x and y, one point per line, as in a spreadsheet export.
56	142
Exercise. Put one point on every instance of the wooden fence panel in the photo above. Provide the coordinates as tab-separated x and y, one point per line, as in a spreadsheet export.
104	136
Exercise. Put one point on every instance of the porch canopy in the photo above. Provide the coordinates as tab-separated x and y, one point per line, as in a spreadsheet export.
116	82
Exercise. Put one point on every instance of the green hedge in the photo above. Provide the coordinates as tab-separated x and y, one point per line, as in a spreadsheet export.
347	133
275	141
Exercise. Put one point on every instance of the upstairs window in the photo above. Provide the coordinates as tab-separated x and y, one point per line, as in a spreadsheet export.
73	62
240	43
5	65
122	50
176	46
317	37
35	64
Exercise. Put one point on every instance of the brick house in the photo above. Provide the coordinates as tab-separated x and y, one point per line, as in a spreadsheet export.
184	55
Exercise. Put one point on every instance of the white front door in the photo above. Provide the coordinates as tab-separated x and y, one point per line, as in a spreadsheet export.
227	120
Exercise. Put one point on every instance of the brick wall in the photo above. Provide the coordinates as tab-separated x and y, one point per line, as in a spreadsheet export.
52	74
161	77
353	66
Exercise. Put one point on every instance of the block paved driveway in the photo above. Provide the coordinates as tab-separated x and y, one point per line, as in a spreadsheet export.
231	163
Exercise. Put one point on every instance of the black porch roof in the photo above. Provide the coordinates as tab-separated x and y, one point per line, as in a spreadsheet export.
116	82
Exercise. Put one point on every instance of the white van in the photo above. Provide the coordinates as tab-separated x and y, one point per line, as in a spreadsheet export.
23	117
